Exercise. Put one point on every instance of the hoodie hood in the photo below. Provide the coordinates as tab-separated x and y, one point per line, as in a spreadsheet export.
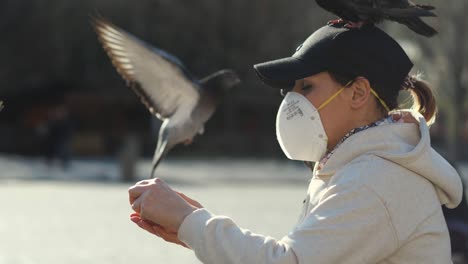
408	145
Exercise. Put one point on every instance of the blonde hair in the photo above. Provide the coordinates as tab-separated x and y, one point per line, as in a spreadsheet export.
423	98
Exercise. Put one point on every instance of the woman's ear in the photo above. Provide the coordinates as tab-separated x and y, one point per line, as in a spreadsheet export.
361	91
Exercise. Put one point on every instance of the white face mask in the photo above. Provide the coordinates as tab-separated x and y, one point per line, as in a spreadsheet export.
299	129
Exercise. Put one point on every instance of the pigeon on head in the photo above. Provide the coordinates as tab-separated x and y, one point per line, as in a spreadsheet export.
165	86
358	13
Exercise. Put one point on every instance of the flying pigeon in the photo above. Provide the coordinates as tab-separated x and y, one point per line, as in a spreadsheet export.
165	86
357	13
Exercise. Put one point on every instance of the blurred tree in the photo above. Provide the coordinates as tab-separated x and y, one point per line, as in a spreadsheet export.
456	54
442	60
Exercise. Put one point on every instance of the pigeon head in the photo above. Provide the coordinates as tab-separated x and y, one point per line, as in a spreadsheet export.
220	82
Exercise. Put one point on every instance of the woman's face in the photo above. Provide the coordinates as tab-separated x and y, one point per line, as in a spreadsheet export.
335	115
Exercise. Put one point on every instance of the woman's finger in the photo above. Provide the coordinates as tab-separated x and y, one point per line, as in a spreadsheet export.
136	205
144	182
168	236
136	191
135	219
148	227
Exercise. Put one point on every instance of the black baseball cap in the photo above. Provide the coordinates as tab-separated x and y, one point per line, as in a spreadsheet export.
368	52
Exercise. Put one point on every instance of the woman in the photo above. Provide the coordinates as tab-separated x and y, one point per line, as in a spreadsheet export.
377	186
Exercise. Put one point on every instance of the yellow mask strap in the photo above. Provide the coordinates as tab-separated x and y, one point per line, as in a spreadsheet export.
380	100
330	99
341	90
333	96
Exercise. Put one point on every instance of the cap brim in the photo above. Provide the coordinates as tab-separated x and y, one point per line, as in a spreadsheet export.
283	73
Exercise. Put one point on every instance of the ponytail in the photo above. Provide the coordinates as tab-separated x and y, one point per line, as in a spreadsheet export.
423	99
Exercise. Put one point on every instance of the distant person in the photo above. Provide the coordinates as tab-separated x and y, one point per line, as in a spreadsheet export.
377	187
58	129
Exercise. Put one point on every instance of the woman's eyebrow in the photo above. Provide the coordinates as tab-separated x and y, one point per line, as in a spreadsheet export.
307	82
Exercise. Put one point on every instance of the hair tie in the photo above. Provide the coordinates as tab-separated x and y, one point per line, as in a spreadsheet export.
409	83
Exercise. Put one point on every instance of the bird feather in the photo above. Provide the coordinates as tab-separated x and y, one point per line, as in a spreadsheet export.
158	78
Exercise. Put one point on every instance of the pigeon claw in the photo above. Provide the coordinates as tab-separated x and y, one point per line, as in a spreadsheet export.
351	24
346	23
336	22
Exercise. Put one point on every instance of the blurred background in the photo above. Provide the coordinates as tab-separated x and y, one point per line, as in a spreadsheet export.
71	127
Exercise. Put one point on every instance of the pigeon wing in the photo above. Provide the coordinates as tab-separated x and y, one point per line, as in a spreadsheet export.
390	9
157	77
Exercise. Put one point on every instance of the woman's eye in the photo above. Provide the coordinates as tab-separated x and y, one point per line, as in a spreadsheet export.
306	87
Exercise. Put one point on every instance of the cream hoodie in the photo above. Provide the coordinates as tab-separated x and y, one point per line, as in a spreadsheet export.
377	200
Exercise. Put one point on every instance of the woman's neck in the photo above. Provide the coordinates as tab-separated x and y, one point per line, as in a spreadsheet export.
359	120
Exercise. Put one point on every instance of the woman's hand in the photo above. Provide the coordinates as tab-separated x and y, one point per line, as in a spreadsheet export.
157	230
155	202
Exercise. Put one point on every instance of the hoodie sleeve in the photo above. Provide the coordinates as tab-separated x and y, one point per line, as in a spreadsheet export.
217	239
349	226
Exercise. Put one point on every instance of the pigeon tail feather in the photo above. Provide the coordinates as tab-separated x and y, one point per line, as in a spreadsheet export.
159	153
419	26
395	13
154	166
427	7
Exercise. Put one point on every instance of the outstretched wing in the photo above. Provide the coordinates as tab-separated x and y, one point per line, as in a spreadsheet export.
157	77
